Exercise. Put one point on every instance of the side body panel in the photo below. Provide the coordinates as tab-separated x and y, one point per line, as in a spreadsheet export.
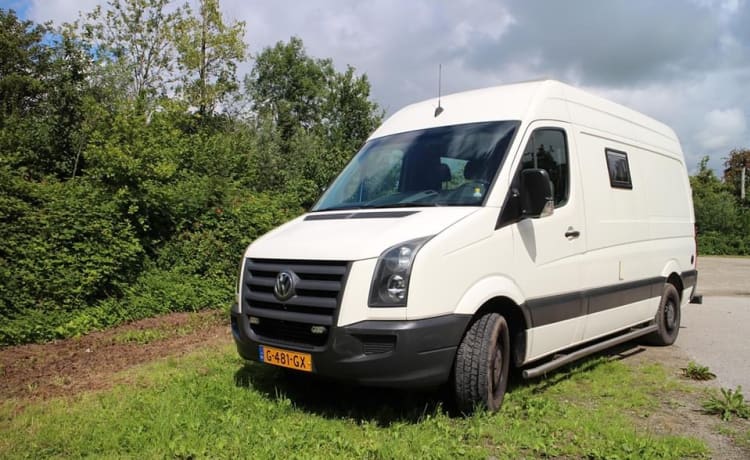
633	234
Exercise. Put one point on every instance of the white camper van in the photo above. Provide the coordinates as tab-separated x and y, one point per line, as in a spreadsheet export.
524	225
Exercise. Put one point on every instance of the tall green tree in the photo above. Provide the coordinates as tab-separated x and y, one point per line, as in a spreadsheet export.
134	37
317	117
715	207
289	86
23	58
738	159
43	84
350	115
208	52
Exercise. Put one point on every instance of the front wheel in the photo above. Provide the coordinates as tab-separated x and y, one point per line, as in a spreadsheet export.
667	318
480	375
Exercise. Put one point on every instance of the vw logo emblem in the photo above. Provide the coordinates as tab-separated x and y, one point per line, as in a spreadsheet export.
283	289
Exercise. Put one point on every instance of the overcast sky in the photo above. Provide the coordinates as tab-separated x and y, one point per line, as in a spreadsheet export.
684	62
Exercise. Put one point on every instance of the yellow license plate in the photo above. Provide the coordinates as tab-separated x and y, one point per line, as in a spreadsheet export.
285	358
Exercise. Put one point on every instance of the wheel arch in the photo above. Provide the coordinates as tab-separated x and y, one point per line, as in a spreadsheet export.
676	280
518	322
498	294
672	275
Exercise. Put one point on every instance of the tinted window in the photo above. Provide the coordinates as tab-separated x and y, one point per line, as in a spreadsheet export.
547	149
619	169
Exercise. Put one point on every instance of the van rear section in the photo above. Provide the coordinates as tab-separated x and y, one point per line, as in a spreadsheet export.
525	225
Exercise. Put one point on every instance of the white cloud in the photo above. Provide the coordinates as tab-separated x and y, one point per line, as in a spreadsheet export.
684	63
60	11
723	128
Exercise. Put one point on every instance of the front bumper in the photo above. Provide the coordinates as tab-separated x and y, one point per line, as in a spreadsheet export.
417	353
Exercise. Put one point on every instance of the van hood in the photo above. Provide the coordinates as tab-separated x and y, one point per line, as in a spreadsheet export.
353	234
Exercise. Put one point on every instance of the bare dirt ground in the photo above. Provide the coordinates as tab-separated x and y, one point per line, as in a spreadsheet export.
67	367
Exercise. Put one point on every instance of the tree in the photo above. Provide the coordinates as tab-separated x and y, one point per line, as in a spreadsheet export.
208	51
289	86
43	83
715	207
738	158
317	117
350	115
23	58
134	37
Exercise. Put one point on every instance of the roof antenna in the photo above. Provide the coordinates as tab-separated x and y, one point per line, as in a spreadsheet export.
439	109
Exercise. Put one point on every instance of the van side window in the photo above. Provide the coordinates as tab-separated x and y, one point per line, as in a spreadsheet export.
547	149
619	169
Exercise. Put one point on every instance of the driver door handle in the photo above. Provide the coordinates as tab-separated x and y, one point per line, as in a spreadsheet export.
572	233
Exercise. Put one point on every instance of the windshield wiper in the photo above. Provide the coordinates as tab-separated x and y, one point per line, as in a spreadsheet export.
405	205
338	208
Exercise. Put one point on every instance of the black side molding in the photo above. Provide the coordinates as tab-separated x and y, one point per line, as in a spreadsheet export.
547	310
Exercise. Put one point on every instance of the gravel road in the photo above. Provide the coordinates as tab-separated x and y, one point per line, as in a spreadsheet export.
716	333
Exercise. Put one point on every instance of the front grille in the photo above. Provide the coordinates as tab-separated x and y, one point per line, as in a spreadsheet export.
318	289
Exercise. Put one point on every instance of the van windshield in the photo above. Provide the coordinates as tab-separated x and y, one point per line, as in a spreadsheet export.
445	166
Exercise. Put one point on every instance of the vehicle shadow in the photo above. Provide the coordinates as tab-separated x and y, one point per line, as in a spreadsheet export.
334	399
383	406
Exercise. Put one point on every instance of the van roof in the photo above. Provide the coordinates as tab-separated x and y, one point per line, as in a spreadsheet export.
532	100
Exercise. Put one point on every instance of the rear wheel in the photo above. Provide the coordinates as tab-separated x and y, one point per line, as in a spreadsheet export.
480	375
667	318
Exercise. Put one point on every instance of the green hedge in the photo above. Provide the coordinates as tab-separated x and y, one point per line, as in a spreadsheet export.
62	245
195	270
720	244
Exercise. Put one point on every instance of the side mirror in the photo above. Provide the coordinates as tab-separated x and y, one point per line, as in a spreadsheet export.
537	198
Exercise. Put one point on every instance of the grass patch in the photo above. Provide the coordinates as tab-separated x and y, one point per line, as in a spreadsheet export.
212	404
695	371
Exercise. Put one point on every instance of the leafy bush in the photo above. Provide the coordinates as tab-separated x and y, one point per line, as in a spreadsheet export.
193	271
722	221
213	245
728	404
696	371
719	244
62	246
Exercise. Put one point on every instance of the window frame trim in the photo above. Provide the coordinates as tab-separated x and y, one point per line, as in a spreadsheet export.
567	159
503	219
612	181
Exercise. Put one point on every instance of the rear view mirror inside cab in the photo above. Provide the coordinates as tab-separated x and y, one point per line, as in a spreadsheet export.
537	197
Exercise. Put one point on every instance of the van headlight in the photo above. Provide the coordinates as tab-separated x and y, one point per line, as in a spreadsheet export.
390	285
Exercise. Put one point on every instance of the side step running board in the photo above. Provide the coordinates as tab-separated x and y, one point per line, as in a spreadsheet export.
578	354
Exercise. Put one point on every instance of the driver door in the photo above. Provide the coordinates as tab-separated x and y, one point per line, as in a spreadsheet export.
548	250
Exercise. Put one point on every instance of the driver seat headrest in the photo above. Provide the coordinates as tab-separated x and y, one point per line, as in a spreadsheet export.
474	169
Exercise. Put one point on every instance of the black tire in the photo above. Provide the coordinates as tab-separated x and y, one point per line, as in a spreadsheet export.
667	318
480	375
